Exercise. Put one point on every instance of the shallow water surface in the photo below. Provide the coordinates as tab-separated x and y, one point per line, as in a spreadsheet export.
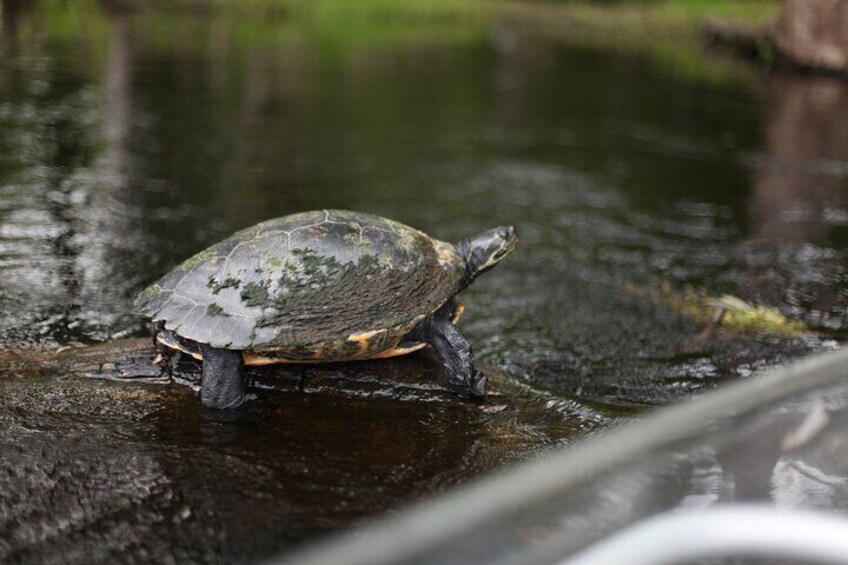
130	140
112	462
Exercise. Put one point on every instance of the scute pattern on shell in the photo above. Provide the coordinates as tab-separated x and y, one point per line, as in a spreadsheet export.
306	280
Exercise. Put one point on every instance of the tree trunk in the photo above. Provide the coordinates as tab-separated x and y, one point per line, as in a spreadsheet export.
814	34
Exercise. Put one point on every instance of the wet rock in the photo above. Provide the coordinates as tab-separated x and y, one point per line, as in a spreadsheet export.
100	461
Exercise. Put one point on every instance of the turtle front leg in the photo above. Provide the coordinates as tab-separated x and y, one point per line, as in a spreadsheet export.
222	385
455	351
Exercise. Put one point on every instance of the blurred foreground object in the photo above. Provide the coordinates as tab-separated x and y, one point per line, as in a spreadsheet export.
768	450
675	537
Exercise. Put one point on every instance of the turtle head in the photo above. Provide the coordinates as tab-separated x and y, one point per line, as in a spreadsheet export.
486	250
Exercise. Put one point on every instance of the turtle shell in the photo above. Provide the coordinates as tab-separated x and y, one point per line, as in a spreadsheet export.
328	285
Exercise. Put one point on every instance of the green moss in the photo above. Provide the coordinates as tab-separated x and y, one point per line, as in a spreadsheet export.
196	260
371	264
281	302
215	310
739	316
154	291
255	294
314	271
357	239
229	282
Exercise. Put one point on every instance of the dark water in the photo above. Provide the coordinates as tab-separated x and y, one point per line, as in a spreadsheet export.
95	470
130	140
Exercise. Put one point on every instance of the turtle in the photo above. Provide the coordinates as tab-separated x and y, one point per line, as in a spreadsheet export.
317	287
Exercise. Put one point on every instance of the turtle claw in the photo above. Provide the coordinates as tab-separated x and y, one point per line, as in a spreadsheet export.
472	388
478	385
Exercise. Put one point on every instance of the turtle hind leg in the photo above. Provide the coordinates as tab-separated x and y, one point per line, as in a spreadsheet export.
222	387
455	351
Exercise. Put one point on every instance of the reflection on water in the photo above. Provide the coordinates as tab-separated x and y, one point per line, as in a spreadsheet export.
799	200
799	192
132	139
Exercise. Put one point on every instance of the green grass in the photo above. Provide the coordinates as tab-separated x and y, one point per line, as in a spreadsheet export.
694	12
337	27
601	15
658	16
664	31
337	11
393	18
